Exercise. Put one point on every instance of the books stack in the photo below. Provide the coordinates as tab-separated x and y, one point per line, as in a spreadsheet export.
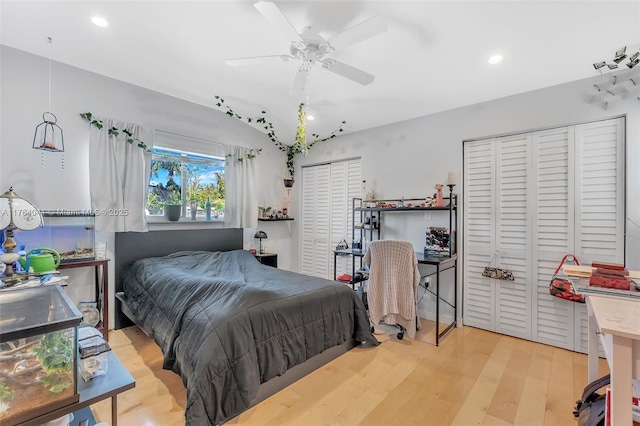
610	275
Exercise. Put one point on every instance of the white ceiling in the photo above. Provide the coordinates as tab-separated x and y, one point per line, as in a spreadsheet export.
432	58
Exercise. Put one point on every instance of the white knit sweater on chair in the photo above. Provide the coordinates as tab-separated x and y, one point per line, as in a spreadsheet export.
393	284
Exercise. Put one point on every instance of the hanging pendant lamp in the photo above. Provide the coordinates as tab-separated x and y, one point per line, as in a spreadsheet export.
48	135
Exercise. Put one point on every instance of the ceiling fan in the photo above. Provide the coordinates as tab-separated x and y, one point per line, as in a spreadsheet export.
310	47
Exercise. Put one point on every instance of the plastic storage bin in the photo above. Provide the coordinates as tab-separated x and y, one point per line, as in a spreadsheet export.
92	350
38	329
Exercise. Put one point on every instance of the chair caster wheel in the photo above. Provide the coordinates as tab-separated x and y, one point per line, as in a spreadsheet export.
400	336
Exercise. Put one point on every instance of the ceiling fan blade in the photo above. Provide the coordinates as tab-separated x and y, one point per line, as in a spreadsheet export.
258	60
357	33
299	81
348	71
272	13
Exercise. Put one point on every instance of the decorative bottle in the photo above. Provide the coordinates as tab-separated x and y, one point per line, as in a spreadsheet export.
439	197
207	209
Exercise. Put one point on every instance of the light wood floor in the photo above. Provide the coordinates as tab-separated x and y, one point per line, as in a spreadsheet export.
475	377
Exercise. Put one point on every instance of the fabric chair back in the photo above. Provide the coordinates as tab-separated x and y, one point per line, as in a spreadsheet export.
393	283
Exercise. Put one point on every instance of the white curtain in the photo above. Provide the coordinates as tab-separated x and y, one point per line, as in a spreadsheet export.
241	205
119	177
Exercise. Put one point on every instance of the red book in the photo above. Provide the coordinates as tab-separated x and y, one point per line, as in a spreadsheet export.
607	265
614	272
610	282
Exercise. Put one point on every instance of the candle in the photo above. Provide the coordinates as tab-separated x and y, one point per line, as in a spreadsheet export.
451	178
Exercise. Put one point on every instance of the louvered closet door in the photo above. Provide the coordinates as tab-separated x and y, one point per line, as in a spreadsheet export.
479	233
555	192
513	234
316	209
553	232
599	200
345	185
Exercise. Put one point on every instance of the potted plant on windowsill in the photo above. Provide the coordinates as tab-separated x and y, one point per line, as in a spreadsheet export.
173	206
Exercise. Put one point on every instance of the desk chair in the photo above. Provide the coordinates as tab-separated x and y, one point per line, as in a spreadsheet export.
393	284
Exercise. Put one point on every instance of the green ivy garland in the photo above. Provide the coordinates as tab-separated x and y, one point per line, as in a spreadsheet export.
253	153
300	146
129	138
114	131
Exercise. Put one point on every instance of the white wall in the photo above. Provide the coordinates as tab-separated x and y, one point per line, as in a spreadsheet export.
403	159
408	158
24	88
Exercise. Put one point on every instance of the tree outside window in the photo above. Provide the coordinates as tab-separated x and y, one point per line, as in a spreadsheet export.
187	179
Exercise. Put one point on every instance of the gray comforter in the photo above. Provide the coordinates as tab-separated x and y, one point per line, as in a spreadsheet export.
227	323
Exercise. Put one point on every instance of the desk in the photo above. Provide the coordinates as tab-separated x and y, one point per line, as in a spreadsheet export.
442	264
117	380
615	322
102	288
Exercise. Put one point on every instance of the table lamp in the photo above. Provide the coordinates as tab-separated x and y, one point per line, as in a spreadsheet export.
15	213
260	235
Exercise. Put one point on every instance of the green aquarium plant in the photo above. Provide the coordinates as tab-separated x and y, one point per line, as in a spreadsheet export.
55	353
6	394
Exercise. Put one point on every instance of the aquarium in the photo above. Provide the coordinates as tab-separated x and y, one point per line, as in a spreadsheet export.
70	233
38	348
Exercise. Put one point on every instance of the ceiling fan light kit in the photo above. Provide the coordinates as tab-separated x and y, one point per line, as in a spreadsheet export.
310	47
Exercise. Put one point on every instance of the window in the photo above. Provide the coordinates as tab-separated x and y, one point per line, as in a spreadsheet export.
188	179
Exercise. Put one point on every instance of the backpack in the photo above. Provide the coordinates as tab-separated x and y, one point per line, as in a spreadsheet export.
590	408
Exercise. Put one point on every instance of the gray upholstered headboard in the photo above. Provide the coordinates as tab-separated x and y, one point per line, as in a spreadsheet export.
132	246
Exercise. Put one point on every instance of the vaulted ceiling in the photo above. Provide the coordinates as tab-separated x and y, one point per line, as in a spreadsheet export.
433	56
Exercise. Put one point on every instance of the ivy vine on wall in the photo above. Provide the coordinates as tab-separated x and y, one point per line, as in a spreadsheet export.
114	131
300	146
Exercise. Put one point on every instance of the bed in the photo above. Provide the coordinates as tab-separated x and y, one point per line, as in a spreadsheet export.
230	326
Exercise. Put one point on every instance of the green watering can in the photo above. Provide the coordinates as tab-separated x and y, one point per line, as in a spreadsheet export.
41	260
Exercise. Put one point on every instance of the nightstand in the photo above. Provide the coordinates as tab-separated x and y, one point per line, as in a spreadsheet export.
269	259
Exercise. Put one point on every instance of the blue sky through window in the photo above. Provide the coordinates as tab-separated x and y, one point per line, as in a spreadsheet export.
207	167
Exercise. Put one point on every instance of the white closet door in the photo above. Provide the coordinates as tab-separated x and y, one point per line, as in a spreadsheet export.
600	191
555	192
316	209
599	199
345	185
513	234
479	232
327	191
553	232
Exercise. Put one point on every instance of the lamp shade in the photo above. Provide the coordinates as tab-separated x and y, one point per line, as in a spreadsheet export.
18	213
260	234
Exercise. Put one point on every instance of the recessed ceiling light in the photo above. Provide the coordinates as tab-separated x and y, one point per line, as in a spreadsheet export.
101	22
495	59
310	117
